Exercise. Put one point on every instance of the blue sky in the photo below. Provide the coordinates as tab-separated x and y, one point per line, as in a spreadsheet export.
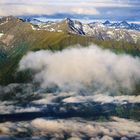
87	9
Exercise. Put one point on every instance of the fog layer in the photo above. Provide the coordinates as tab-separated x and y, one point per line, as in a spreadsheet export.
83	68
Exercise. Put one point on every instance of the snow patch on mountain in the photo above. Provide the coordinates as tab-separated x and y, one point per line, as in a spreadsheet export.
1	34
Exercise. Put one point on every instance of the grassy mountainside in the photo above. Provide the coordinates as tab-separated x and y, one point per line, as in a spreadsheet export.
18	38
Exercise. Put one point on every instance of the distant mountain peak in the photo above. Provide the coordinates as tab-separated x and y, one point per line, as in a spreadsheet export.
107	22
124	23
8	18
75	24
68	20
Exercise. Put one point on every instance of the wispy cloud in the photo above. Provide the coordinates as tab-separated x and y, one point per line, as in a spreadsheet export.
96	8
43	7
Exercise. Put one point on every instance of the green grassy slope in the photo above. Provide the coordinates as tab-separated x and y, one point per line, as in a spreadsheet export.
25	39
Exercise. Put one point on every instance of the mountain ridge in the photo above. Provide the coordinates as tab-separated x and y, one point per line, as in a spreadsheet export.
104	31
107	30
17	37
118	24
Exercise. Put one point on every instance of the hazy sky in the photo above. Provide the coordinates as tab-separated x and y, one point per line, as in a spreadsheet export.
95	9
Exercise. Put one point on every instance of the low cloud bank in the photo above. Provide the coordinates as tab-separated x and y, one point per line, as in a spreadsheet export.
118	128
75	129
80	68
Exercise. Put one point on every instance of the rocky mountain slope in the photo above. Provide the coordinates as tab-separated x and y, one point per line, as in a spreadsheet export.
18	36
122	25
118	25
104	31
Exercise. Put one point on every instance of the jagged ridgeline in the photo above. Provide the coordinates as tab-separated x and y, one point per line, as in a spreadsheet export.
19	36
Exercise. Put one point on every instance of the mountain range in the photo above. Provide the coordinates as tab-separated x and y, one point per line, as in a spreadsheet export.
107	30
117	25
18	36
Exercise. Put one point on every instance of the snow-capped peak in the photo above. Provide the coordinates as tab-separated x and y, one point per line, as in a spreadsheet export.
108	30
107	22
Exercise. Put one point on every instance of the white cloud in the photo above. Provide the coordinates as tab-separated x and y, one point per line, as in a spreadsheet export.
101	98
58	128
78	68
74	128
27	8
87	11
24	7
118	128
106	3
43	9
9	107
